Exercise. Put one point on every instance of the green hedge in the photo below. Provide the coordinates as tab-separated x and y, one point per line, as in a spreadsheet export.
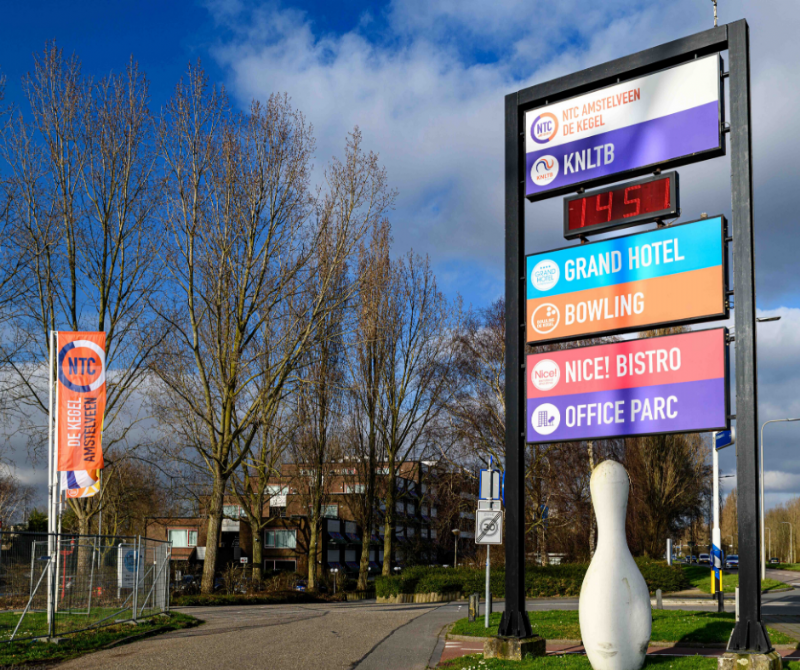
540	581
279	598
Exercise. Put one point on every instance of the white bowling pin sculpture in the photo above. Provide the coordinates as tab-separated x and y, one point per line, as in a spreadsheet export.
615	603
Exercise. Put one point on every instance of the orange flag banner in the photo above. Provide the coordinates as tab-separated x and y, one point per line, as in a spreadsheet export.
81	400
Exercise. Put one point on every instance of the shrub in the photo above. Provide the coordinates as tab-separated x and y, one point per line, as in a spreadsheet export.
540	581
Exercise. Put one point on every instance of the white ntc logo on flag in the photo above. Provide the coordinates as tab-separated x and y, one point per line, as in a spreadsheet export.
546	418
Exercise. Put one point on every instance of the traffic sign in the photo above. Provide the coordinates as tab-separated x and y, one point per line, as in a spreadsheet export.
489	485
243	559
724	438
488	527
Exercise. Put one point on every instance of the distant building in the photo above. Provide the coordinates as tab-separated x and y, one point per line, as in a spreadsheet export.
419	533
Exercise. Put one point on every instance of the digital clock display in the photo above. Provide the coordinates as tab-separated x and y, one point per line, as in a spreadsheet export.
621	206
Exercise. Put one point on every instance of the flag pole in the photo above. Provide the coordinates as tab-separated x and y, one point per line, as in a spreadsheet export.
51	469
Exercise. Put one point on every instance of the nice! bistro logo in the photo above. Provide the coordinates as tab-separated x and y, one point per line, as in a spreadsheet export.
545	375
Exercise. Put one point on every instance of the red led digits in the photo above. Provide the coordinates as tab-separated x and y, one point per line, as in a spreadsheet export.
643	201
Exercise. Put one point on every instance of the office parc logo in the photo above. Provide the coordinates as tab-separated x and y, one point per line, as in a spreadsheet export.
544	128
545	375
545	275
86	366
545	318
546	419
544	170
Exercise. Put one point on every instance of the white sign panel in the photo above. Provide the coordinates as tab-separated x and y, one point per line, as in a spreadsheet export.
126	565
489	485
488	527
665	116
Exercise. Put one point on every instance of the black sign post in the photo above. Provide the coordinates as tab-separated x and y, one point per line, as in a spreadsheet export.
749	635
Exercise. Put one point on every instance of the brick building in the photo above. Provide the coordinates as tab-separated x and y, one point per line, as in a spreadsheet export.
422	533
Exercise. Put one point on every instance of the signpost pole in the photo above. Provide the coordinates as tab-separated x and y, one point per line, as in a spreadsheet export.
515	622
716	539
749	634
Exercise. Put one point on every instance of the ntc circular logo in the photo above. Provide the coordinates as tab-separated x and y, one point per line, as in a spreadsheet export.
545	275
82	366
545	375
544	128
545	318
544	170
545	419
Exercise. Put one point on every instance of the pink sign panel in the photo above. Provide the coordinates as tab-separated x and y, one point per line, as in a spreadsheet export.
669	384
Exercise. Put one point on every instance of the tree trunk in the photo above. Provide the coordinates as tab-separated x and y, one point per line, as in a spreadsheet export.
363	567
258	554
312	554
213	530
390	519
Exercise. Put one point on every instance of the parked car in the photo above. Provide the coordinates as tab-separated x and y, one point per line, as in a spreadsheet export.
704	559
773	561
732	562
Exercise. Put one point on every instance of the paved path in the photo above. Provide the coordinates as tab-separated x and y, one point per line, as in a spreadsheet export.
341	636
318	637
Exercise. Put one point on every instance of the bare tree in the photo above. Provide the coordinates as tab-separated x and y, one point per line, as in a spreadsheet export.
244	237
84	192
419	372
368	355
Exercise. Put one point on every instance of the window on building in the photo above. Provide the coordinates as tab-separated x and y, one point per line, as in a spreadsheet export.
355	488
433	533
333	554
182	538
350	555
399	507
411	508
233	511
433	511
333	525
350	527
330	511
280	539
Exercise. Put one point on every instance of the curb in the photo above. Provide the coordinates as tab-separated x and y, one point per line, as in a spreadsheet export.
656	643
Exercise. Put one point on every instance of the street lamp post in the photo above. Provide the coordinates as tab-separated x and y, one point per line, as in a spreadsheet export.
456	532
763	425
791	542
769	542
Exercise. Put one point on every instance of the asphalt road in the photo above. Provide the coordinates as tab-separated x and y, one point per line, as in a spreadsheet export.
338	636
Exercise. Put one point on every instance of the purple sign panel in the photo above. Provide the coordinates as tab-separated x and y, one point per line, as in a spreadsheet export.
665	116
671	384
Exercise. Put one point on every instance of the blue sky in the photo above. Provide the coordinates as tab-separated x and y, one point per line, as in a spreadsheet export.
425	80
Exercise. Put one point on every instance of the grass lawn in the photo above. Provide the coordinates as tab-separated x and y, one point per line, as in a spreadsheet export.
78	644
668	626
575	662
700	577
785	566
35	623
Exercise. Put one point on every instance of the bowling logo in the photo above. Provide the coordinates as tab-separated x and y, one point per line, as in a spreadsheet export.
545	275
545	419
545	318
545	375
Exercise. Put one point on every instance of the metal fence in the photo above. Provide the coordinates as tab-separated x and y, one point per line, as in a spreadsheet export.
51	585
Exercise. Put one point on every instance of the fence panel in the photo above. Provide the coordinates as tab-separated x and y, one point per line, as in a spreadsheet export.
78	582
